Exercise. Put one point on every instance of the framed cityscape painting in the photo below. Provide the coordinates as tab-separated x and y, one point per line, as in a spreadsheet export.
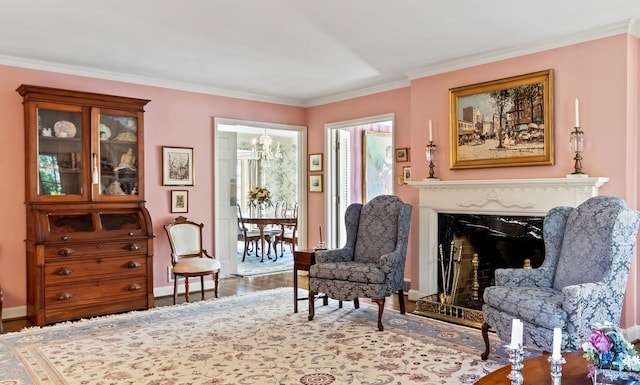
501	123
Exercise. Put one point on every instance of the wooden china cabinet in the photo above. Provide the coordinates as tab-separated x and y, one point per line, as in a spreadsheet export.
89	235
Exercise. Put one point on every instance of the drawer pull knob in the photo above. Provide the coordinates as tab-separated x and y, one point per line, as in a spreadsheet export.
64	271
131	234
65	252
64	237
134	286
64	296
134	247
134	264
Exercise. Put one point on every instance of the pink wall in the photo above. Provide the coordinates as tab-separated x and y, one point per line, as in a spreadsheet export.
395	101
172	117
602	73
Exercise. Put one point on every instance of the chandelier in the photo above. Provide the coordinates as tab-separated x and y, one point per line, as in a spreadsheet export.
262	148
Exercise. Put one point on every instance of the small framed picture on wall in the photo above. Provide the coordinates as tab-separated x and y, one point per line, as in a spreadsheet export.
402	154
179	201
315	162
177	166
406	173
315	183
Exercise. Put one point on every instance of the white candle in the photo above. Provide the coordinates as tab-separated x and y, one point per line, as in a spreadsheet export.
577	113
557	341
430	132
515	333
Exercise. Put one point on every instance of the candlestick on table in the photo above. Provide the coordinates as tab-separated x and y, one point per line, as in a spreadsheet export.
321	233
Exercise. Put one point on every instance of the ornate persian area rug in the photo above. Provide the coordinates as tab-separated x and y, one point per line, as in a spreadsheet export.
251	339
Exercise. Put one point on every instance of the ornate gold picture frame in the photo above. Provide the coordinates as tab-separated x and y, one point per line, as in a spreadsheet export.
502	123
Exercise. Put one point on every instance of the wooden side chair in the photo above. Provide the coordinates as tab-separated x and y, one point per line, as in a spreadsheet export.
188	257
250	236
288	233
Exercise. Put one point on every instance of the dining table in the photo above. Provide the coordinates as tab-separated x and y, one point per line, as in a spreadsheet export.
262	222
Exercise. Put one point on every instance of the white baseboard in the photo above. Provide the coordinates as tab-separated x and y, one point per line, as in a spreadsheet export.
632	333
14	312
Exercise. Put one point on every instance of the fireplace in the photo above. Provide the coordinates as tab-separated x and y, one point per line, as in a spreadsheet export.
525	200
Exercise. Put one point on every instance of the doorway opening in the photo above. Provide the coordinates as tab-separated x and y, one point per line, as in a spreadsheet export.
361	166
247	155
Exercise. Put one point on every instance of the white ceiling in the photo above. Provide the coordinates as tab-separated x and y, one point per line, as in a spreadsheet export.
292	51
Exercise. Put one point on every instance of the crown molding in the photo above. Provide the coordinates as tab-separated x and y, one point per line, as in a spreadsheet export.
625	26
634	28
141	80
629	26
402	83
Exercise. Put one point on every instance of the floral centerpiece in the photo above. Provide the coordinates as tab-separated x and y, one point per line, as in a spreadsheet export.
610	354
259	196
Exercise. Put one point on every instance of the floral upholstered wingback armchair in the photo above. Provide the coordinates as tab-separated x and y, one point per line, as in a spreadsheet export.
371	264
588	252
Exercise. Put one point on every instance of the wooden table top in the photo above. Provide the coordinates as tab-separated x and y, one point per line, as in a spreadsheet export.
537	371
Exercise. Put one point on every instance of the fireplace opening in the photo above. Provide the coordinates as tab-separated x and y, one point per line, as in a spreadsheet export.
470	249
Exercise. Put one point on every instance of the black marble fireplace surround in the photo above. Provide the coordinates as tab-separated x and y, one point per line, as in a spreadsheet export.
499	241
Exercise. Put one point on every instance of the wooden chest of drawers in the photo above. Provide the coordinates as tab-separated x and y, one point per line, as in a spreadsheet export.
80	266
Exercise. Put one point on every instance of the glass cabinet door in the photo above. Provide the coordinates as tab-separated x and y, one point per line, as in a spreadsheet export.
118	154
59	148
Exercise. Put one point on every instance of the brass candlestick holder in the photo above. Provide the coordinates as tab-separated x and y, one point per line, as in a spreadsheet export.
576	144
431	155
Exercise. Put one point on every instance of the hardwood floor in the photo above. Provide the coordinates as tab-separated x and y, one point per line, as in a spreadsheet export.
233	285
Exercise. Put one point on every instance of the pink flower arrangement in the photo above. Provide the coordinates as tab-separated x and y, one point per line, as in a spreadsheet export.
259	195
606	348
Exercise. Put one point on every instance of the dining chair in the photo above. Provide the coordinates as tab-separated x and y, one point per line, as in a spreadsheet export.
250	235
280	207
188	258
288	233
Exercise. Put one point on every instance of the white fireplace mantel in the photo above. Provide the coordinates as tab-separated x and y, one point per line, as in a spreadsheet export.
529	197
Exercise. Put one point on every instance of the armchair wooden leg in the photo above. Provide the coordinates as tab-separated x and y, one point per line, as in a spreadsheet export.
485	337
380	302
401	300
311	305
356	303
202	287
215	283
175	289
186	288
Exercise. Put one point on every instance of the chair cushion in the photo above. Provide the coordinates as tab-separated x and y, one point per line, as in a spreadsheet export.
348	271
536	305
196	265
